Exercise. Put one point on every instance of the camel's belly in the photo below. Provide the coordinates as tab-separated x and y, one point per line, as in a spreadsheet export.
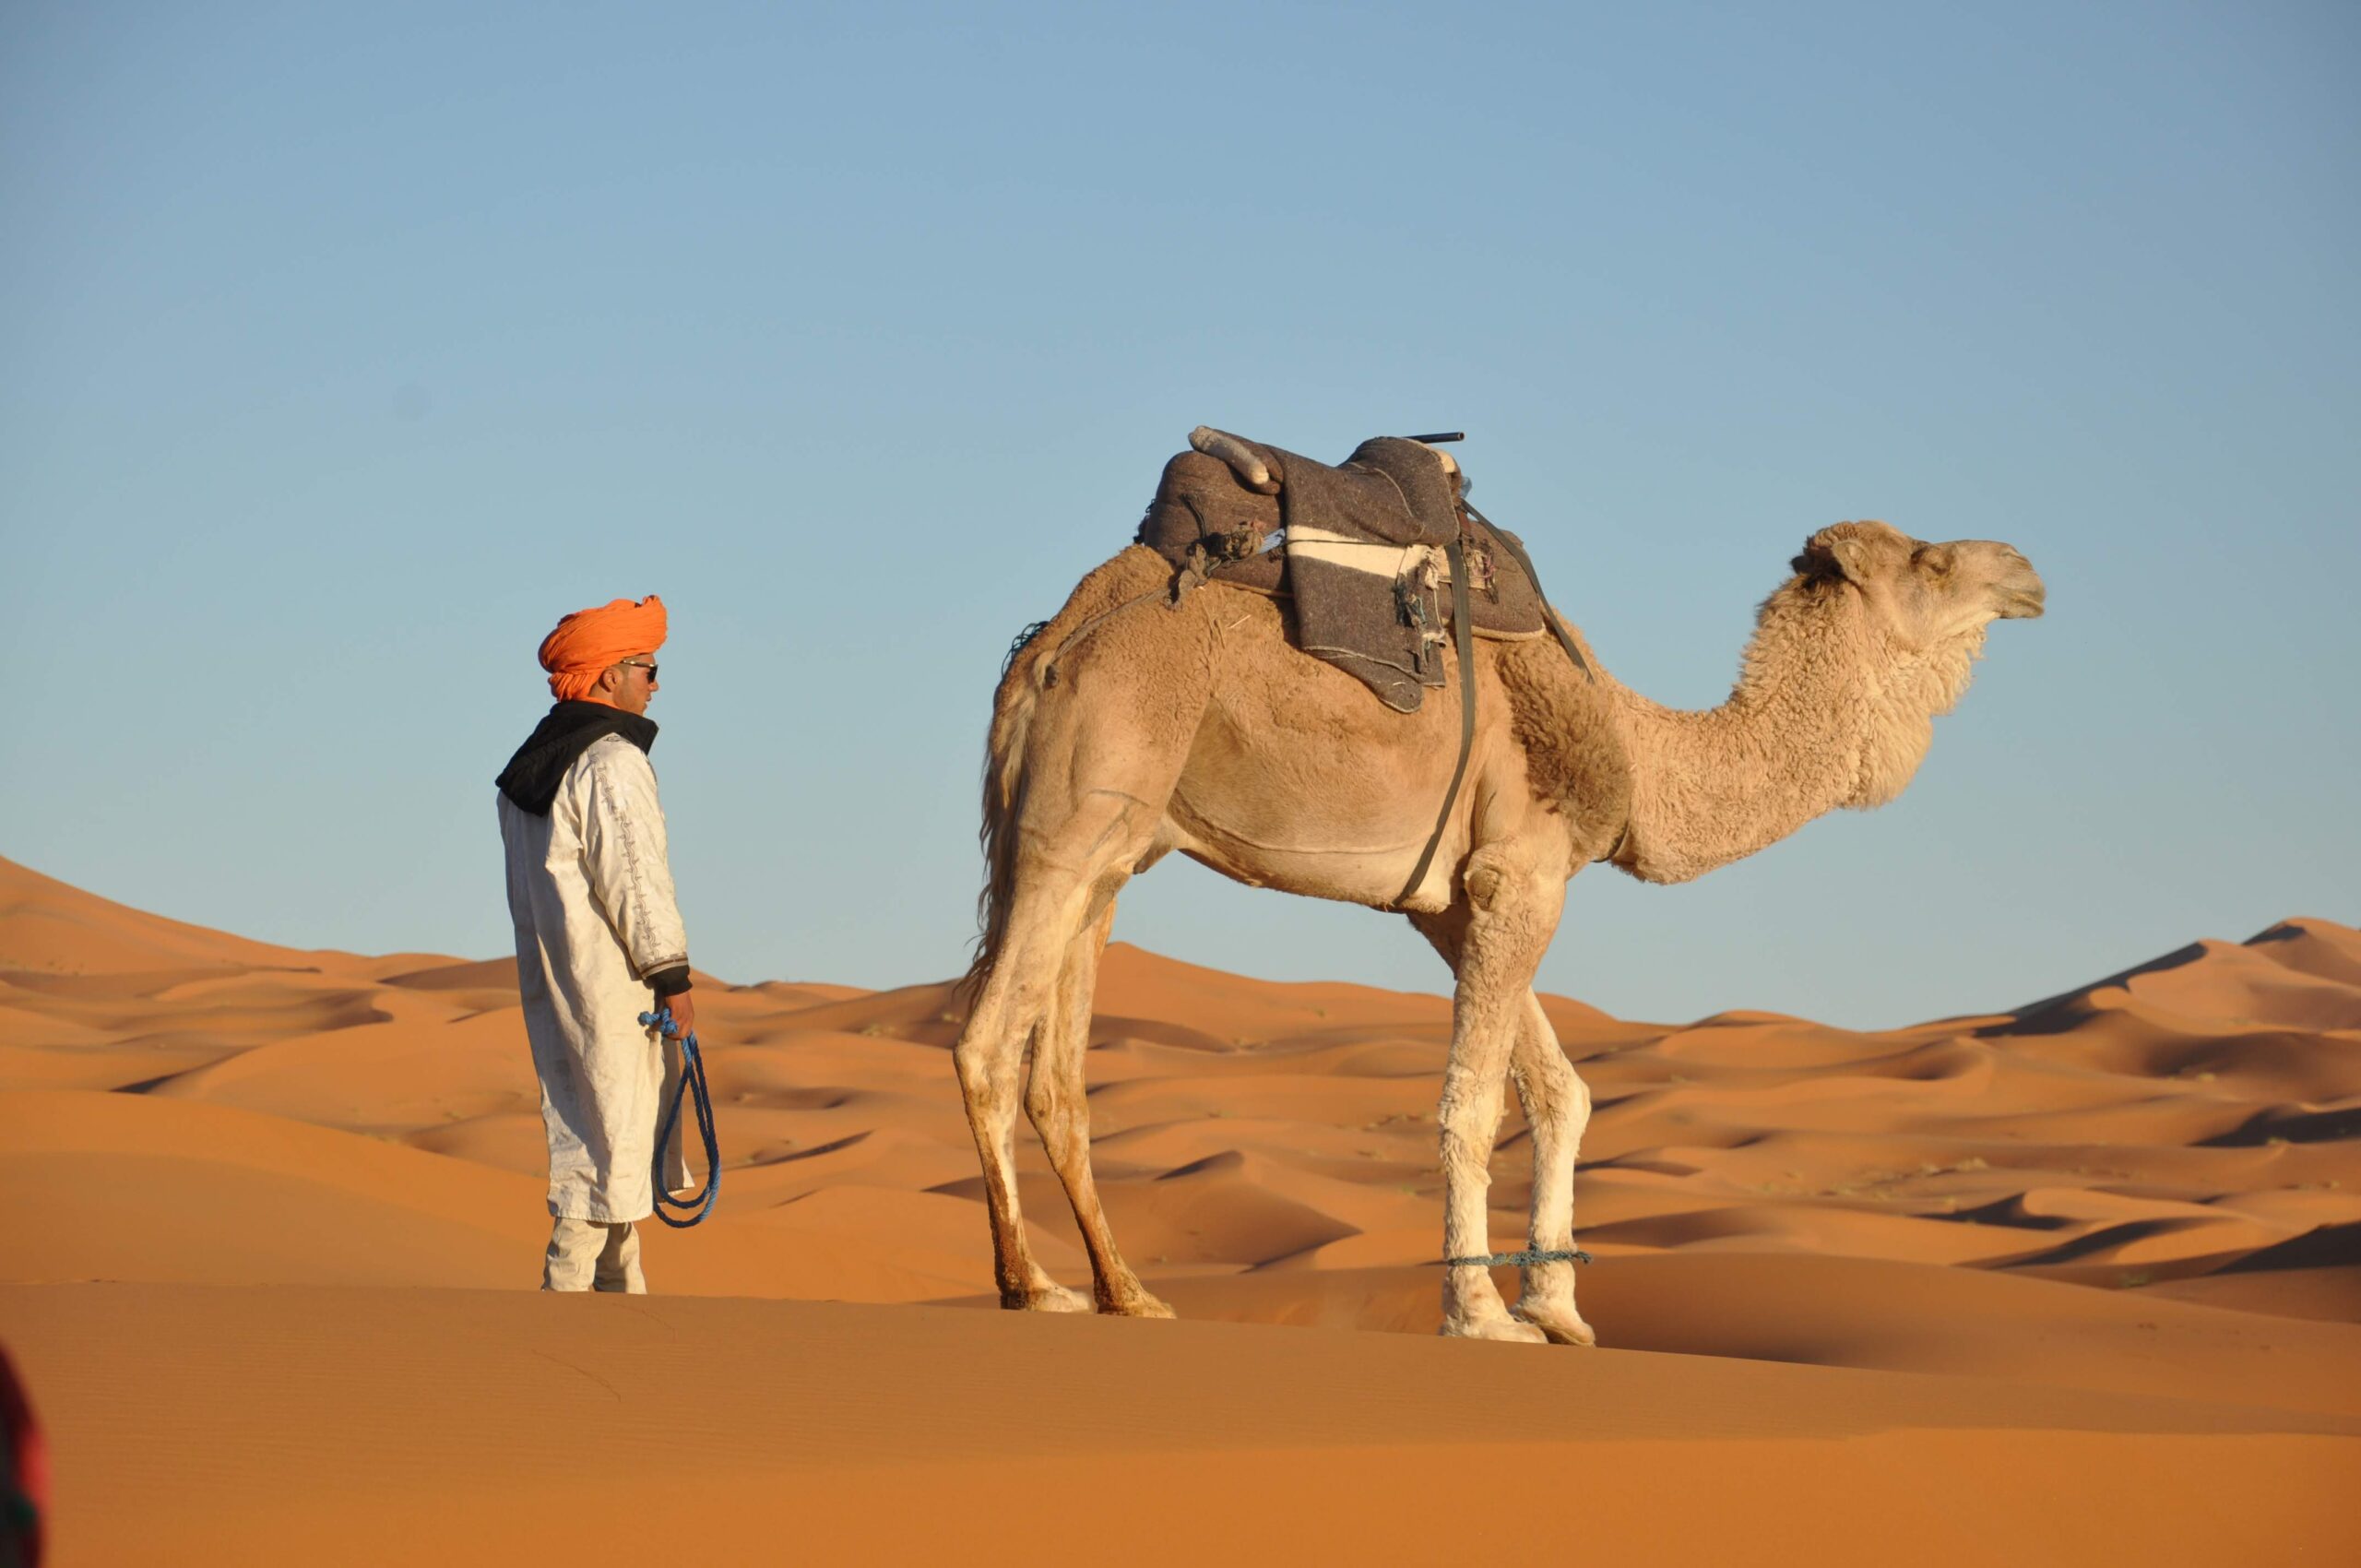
1318	789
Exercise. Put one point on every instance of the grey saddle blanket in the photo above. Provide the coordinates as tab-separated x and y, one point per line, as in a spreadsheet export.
1363	565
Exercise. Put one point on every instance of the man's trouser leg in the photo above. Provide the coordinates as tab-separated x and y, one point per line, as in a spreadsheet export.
585	1254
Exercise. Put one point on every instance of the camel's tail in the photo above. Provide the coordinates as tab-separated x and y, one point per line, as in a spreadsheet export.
1013	707
1024	680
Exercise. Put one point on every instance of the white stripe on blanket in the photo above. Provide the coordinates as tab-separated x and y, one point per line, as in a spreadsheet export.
1374	556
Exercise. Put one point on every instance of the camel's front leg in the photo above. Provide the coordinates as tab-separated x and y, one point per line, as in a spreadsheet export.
1513	907
1557	1108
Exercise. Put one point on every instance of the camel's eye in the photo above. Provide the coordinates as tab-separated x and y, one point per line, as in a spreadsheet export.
1931	559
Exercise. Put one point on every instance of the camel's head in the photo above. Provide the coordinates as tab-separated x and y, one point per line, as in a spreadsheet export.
1927	607
1924	596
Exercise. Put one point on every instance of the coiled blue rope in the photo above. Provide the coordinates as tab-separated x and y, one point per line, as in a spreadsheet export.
692	1081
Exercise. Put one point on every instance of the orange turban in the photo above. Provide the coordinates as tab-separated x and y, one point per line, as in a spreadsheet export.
589	642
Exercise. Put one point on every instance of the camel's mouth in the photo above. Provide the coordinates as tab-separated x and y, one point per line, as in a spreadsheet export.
2022	603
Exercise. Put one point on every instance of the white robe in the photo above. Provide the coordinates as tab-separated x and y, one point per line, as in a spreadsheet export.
590	892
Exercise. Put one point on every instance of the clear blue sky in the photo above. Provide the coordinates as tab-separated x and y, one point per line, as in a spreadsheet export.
342	349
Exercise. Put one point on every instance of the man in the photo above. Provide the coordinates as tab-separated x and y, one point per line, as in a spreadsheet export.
24	1474
598	938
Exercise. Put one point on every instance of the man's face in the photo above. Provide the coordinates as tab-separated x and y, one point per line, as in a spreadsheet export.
635	682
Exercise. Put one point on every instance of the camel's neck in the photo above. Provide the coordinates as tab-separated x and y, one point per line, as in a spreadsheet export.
1826	713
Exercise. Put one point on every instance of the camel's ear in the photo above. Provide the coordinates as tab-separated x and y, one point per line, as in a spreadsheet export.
1836	551
1852	559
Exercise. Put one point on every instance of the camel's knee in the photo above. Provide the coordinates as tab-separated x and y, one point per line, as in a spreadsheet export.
1493	875
1547	1085
1504	875
1049	1098
1512	906
967	1059
1040	1100
1577	1098
1469	1126
986	1065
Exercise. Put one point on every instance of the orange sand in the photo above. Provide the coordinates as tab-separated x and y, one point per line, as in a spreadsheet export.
2075	1283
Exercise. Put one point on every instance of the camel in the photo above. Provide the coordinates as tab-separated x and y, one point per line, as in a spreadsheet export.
1130	726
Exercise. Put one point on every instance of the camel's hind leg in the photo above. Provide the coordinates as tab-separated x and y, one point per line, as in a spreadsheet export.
1062	877
1096	784
989	1055
1055	1098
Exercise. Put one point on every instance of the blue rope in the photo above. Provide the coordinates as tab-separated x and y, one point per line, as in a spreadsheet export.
691	1080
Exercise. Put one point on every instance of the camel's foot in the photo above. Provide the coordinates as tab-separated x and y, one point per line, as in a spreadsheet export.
1503	1327
1473	1311
1557	1320
1044	1297
1138	1301
1547	1303
1120	1294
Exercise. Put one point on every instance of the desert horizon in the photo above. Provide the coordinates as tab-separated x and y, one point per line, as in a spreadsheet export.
265	1196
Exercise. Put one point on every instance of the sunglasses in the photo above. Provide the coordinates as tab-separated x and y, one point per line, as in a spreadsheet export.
636	664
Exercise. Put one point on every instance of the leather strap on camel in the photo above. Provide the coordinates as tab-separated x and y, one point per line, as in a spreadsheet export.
1549	616
1463	644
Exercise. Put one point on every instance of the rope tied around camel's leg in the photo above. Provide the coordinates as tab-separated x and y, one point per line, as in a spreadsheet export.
1519	1260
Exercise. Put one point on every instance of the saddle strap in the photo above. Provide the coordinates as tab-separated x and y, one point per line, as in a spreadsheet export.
1548	611
1464	642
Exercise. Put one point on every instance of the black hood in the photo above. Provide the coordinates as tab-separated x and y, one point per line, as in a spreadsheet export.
532	776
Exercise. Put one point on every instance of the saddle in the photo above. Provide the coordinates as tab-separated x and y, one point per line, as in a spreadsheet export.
1365	561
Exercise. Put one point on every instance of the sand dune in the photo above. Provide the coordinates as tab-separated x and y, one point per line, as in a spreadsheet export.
2164	1122
2147	1188
498	1425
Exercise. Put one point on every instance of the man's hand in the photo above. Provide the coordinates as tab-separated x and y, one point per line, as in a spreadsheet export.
684	1013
